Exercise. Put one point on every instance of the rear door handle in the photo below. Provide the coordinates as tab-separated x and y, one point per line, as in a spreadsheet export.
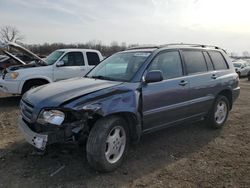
183	83
214	76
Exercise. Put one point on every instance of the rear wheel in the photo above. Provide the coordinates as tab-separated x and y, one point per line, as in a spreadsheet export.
107	143
219	112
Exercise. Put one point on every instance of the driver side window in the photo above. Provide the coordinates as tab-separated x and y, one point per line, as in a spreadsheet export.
73	59
169	63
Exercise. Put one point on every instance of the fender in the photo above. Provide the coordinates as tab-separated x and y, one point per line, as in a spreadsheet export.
113	101
32	77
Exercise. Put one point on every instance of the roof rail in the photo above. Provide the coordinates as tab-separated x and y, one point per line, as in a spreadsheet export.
143	47
193	45
176	44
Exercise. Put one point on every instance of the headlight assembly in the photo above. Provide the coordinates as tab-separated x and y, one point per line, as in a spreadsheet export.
55	117
12	75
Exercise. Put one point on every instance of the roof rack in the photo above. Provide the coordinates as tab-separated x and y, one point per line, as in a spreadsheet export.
176	44
144	47
191	45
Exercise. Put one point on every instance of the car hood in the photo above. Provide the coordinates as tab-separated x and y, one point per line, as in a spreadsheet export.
4	48
57	93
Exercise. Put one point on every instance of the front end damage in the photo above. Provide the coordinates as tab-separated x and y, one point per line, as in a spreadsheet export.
41	134
81	113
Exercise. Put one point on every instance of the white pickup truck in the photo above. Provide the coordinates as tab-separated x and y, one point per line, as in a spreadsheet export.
59	65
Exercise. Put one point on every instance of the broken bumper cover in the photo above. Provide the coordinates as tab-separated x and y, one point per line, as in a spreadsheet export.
37	140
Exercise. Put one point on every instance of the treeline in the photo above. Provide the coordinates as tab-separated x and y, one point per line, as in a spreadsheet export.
106	50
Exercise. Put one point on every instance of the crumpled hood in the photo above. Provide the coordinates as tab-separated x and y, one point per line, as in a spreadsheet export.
57	93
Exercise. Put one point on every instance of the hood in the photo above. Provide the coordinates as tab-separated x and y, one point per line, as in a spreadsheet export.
4	47
20	48
57	93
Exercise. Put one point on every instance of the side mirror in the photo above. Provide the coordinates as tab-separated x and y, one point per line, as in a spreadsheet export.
153	76
60	63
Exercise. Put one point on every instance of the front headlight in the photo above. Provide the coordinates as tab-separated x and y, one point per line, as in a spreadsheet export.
55	117
12	75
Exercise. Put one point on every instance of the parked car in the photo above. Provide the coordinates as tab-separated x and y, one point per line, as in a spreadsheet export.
59	65
129	94
242	67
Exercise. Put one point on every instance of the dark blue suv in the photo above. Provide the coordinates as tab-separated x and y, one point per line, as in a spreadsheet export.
131	93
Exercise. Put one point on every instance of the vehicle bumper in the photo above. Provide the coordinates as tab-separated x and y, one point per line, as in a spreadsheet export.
37	140
11	87
45	137
236	93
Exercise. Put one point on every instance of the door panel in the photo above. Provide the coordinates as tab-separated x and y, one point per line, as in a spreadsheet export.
201	92
74	66
202	83
165	102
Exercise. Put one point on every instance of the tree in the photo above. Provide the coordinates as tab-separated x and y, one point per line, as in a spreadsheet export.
10	34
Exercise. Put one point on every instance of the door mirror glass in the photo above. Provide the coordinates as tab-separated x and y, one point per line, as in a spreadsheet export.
60	63
153	76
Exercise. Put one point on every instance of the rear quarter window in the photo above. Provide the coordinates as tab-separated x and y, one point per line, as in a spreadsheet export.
218	60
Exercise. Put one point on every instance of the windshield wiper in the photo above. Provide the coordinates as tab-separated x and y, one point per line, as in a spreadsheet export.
102	78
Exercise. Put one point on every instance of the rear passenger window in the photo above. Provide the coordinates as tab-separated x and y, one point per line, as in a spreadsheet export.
194	61
93	58
218	60
169	63
208	60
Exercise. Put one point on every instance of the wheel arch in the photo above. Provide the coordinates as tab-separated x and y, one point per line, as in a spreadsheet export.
30	80
227	93
133	122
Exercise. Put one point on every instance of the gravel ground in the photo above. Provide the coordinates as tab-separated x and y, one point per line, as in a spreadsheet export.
188	155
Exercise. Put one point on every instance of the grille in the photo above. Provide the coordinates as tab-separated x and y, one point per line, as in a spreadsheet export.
26	110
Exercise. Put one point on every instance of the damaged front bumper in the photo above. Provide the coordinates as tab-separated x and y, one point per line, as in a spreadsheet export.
42	138
37	140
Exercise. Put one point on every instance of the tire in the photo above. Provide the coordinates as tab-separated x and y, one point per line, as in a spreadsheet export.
106	147
219	112
32	84
239	74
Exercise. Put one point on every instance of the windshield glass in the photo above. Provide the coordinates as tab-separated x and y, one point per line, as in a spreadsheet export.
51	59
237	65
120	66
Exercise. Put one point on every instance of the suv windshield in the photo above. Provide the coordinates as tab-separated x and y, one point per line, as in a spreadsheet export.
51	59
120	66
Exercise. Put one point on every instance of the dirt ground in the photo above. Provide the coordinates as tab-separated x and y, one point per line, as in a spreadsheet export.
184	156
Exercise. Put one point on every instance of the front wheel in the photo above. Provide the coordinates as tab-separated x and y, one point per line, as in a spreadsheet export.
219	112
107	143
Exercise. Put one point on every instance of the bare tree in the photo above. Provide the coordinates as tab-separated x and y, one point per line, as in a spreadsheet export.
10	34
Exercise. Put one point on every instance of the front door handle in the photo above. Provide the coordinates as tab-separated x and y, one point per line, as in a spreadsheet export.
214	76
183	83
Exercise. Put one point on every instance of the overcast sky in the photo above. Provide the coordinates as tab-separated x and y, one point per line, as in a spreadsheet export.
225	23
